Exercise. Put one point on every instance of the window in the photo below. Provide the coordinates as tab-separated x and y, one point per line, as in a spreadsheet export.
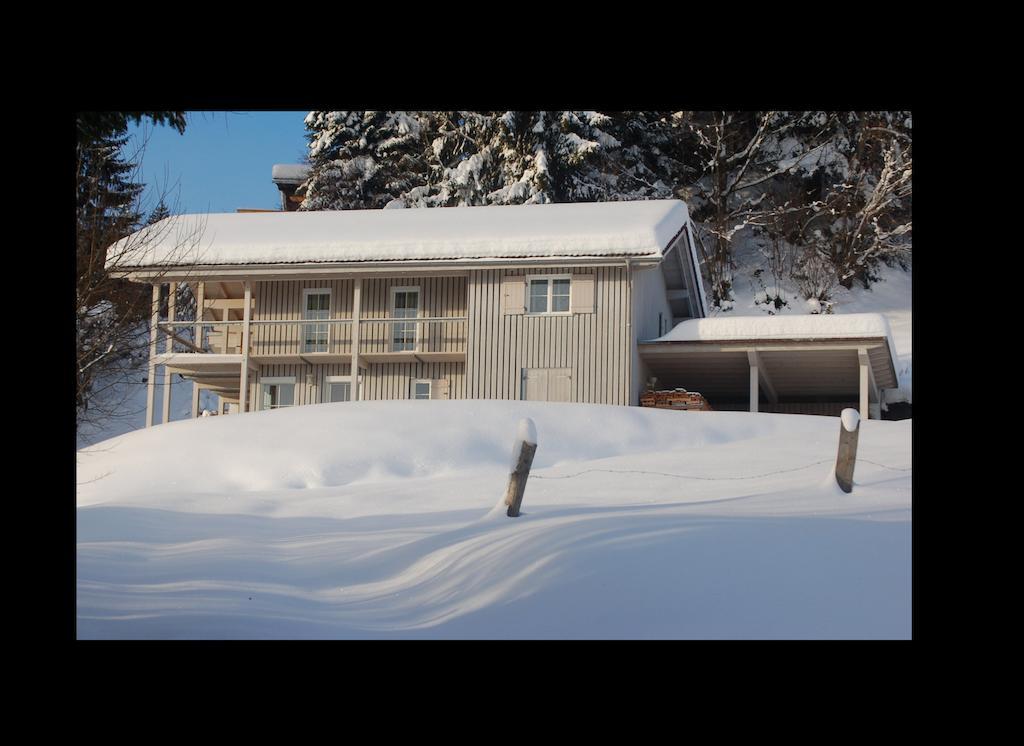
339	391
317	306
277	392
548	294
405	304
421	389
339	388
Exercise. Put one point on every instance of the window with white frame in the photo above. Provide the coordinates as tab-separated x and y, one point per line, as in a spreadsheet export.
405	304
339	388
277	392
317	306
548	294
421	389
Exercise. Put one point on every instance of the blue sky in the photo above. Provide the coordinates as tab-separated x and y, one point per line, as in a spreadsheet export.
223	160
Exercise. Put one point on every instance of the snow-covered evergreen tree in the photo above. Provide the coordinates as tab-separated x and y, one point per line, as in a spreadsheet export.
364	159
822	189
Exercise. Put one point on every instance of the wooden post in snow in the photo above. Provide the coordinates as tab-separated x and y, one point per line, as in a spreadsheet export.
522	460
849	433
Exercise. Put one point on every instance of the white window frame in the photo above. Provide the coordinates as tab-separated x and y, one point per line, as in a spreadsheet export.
391	315
277	381
328	380
551	286
430	387
306	292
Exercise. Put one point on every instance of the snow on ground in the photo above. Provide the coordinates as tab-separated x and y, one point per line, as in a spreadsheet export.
382	520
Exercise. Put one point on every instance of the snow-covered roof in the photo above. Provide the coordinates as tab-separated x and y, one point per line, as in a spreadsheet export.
596	229
796	328
807	326
290	172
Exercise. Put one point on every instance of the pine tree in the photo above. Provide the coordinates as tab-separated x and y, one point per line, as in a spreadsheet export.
111	312
159	213
364	159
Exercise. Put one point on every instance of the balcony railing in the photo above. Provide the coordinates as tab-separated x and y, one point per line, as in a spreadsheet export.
272	338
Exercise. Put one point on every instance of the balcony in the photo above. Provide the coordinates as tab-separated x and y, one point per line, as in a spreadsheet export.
422	339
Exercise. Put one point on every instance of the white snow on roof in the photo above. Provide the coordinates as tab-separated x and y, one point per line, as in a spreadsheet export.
808	326
643	228
289	172
801	327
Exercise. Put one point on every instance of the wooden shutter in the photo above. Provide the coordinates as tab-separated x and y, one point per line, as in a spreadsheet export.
582	294
439	388
513	295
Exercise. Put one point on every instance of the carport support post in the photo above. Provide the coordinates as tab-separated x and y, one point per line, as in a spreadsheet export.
864	373
868	389
753	388
195	400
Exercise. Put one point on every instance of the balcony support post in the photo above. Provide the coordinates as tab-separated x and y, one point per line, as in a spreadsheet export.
171	298
243	389
356	299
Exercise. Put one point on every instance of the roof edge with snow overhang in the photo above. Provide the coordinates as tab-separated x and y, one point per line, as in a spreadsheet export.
811	330
641	229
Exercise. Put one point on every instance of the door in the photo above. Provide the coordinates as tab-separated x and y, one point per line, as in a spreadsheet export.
405	304
547	384
315	336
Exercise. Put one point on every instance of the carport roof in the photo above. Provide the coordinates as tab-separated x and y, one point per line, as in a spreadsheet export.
809	355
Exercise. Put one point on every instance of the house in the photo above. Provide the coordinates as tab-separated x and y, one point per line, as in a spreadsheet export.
564	302
533	302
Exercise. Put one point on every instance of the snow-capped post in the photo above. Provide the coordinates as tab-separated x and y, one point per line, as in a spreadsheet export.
849	432
522	460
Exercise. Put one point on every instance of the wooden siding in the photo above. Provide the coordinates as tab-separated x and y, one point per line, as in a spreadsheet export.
304	393
387	381
282	300
594	346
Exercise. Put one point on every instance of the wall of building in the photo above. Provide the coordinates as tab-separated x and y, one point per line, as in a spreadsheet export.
594	346
652	317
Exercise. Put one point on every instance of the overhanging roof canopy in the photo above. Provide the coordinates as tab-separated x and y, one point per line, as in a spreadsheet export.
797	356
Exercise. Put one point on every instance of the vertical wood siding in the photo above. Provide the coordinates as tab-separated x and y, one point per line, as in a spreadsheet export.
283	300
594	346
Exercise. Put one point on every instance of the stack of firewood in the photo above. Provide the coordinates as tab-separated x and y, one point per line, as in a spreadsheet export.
675	399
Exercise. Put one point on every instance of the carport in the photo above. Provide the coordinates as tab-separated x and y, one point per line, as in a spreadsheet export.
814	364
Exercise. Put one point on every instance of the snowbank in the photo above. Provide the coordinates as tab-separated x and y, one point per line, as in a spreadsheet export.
376	520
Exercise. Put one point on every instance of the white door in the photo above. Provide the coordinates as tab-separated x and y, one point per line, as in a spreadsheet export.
547	384
405	304
315	336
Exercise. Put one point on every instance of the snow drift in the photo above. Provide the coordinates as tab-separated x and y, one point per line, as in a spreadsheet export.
382	519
